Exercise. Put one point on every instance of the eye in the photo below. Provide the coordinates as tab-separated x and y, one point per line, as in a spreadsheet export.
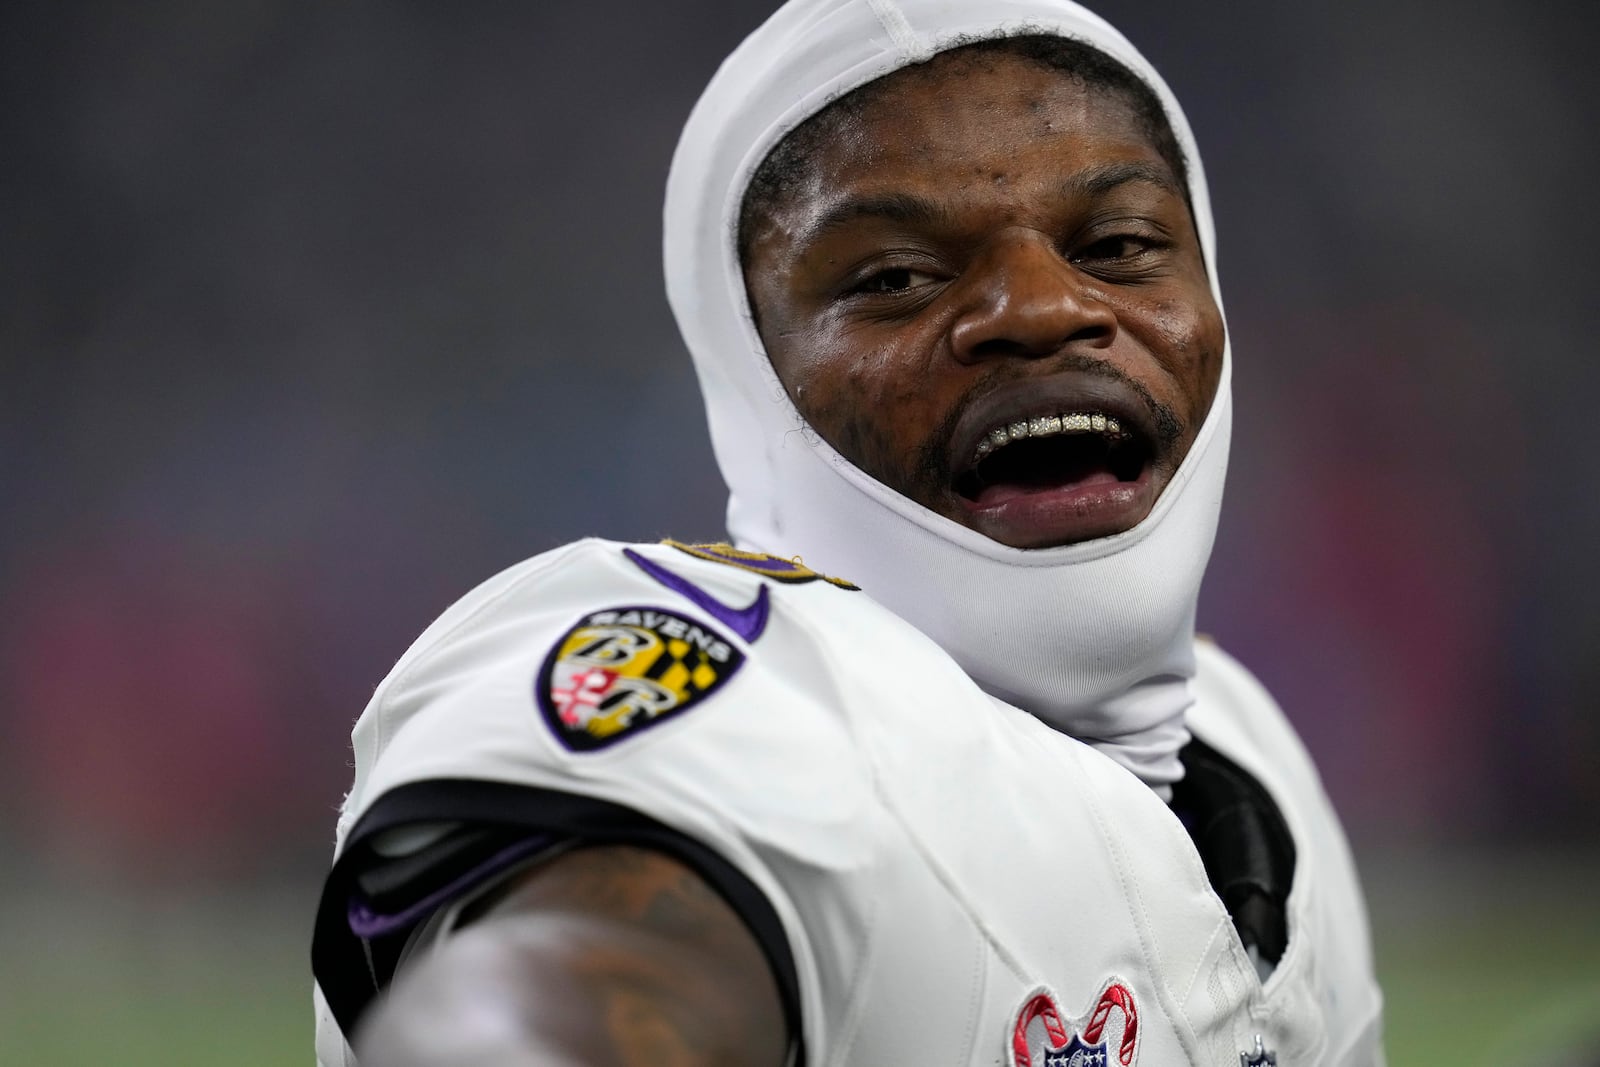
893	280
1133	255
1117	247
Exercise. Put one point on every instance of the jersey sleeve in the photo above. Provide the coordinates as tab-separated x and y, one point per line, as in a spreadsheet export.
603	694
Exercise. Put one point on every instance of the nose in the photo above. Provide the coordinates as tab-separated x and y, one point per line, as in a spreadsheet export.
1027	300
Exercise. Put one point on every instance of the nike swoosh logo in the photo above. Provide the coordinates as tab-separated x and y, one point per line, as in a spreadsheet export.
749	622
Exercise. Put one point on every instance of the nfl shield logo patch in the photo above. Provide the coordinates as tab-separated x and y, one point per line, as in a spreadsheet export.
1260	1058
1107	1036
621	671
1077	1054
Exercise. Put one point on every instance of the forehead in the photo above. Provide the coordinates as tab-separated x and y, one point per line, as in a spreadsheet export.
964	118
985	79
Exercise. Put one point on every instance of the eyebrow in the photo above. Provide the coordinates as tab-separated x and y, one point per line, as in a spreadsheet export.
890	207
909	209
1095	181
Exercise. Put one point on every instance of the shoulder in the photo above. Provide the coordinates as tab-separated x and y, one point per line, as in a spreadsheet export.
594	574
721	600
599	651
679	698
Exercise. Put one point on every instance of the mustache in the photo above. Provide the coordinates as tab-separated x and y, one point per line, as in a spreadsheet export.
930	466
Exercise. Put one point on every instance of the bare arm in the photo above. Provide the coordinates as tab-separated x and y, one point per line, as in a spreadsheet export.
606	957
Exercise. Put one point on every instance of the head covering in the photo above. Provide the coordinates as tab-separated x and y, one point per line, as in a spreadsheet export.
1096	638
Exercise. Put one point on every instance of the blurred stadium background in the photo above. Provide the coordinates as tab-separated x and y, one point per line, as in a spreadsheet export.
316	315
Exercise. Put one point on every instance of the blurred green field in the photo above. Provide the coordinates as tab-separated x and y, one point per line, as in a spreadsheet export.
112	981
1492	962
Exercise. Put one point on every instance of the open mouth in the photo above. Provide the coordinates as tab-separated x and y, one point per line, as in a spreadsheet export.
1066	451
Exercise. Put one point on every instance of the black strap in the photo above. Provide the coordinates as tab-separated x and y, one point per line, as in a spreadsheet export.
1244	842
352	970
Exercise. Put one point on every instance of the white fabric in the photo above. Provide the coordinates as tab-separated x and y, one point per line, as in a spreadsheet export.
933	856
1096	638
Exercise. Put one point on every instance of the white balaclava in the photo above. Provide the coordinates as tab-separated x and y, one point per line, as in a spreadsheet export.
1096	639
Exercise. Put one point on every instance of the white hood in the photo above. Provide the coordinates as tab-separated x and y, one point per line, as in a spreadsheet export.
1096	638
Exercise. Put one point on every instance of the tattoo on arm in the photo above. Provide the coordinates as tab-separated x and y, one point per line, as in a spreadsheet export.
615	956
683	995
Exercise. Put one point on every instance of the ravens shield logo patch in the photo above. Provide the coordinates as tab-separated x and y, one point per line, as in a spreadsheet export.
624	670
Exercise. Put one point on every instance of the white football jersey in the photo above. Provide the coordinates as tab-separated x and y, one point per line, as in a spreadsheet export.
937	877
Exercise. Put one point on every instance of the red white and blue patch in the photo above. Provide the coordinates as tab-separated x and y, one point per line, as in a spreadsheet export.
1107	1036
624	670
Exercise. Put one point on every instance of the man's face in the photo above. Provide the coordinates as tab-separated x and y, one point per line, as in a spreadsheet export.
987	293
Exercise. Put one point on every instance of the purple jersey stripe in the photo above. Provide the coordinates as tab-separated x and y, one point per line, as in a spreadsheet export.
367	924
748	623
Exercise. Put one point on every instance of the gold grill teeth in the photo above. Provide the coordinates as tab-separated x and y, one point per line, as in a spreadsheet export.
1045	425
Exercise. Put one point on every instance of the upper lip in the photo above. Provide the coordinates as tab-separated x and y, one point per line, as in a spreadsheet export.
1068	392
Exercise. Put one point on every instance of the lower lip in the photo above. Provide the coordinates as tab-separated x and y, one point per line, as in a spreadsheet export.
1098	506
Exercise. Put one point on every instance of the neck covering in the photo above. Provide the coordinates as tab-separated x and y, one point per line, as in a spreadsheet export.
1097	638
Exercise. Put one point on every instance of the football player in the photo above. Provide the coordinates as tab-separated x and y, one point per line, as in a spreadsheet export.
927	766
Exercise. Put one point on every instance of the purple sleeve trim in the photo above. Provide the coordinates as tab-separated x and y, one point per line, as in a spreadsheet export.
747	622
367	924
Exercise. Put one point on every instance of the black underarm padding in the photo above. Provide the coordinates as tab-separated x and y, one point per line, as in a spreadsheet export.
1243	841
392	884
